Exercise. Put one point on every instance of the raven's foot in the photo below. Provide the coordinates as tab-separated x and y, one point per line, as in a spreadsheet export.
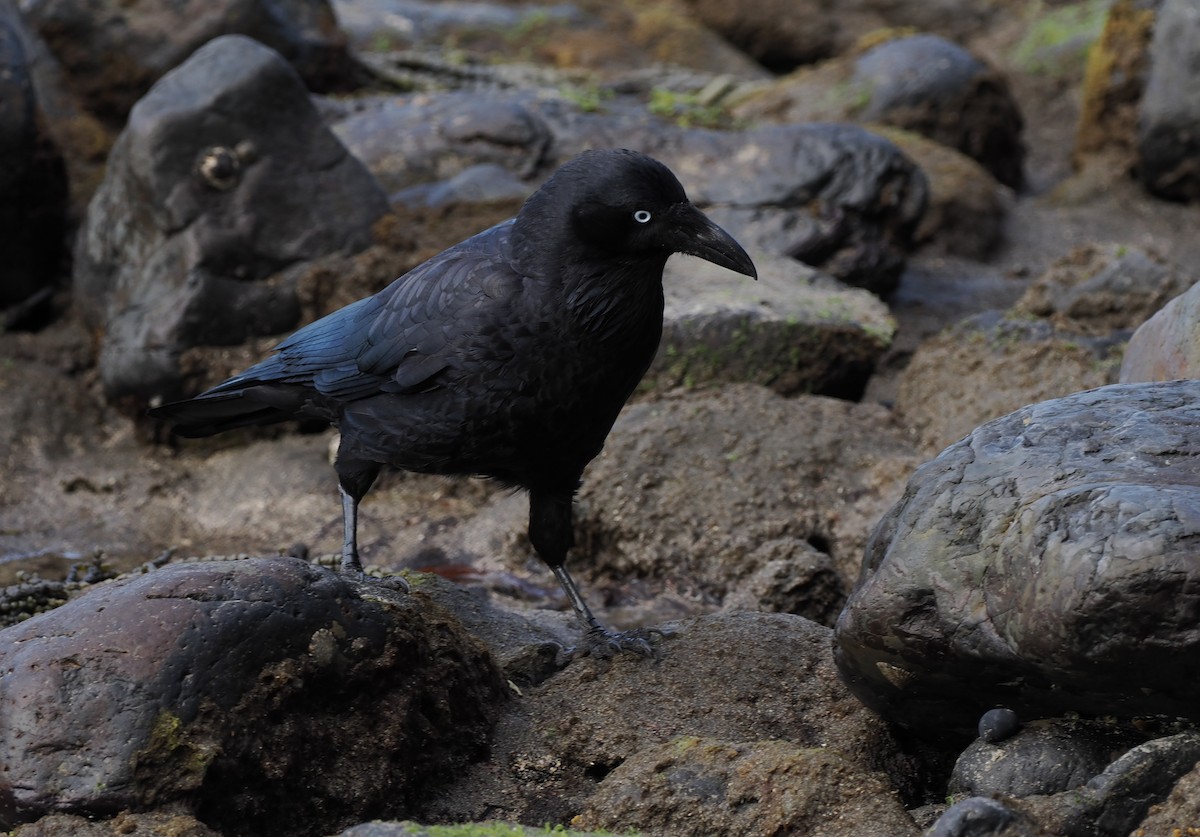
356	572
603	643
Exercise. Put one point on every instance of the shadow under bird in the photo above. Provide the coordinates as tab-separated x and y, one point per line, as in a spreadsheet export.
507	356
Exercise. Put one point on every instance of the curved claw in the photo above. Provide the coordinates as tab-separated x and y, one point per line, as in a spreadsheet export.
392	582
603	643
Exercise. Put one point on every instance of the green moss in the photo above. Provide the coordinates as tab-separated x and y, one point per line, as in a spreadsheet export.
1058	39
589	99
688	111
171	756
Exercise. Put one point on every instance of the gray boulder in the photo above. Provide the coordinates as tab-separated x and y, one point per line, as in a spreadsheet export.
263	695
793	330
1045	757
927	84
1168	137
1045	563
1115	801
224	175
112	52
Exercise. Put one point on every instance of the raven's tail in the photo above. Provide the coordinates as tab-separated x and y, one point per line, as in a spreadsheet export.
216	412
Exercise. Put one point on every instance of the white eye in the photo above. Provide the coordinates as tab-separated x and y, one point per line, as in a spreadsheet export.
641	216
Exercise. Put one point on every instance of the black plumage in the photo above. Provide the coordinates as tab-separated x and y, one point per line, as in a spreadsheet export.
507	356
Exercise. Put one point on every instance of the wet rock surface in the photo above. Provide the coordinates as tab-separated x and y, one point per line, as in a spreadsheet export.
1035	560
199	683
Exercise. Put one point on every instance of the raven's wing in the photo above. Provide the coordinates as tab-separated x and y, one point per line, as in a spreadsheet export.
402	338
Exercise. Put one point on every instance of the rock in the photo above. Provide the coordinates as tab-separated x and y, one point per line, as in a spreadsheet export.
265	695
1045	757
704	786
738	677
527	649
467	42
982	817
1169	117
711	487
33	185
783	36
482	829
1042	563
1178	812
143	825
921	83
372	24
931	86
224	175
1099	289
413	141
1114	802
780	35
112	53
1165	347
967	207
848	203
793	330
482	183
998	724
801	581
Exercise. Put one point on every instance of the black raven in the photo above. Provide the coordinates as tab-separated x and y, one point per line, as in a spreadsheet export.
507	356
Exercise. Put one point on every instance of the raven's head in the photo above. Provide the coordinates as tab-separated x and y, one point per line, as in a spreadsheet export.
620	205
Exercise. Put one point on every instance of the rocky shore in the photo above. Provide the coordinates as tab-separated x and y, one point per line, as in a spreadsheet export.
917	512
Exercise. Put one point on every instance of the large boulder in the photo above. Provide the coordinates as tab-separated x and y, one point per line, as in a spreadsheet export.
932	86
1046	562
112	51
224	175
794	330
265	695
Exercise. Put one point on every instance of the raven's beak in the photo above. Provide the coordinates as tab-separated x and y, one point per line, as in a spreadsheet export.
701	237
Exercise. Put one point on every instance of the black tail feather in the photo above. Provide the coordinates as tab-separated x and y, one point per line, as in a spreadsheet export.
208	415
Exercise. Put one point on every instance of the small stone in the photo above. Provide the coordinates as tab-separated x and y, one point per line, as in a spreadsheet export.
998	724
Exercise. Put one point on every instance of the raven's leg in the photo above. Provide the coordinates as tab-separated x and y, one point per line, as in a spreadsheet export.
552	535
355	478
